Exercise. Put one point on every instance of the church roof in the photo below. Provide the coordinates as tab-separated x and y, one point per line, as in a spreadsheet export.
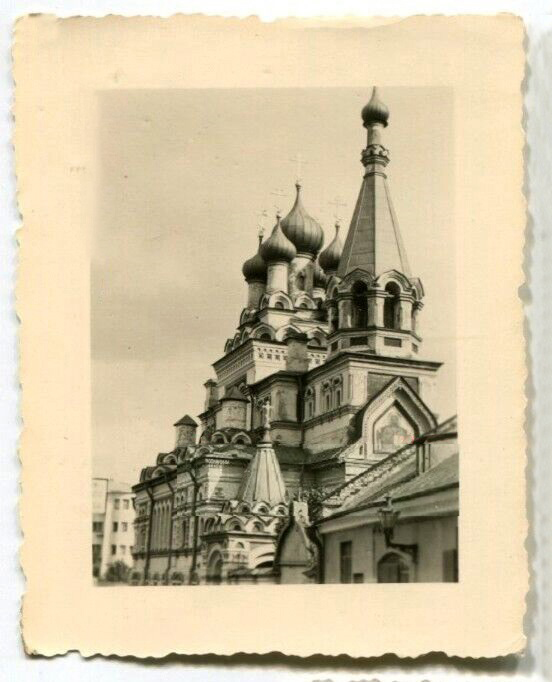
263	478
234	394
278	247
186	420
330	257
301	229
374	241
441	475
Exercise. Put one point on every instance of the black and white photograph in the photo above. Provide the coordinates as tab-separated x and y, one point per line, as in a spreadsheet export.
273	357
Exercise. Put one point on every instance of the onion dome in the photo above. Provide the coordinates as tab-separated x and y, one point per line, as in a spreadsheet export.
319	277
375	111
277	247
254	269
301	229
330	257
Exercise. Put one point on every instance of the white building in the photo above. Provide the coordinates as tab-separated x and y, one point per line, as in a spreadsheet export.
112	524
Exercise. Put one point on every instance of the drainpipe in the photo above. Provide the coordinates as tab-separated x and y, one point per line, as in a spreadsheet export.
171	488
150	524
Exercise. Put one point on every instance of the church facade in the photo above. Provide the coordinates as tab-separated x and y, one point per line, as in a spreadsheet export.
322	381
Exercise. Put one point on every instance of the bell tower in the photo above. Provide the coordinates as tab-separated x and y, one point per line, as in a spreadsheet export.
374	301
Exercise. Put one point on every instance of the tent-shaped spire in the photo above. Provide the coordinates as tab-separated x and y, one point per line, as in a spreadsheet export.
374	241
263	480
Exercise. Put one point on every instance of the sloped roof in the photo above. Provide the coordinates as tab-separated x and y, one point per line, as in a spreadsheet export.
263	480
446	473
374	241
234	394
185	420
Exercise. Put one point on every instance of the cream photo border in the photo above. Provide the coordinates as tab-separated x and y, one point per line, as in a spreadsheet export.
59	66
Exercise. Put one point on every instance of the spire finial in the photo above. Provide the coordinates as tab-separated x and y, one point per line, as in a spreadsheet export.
261	219
299	161
375	112
337	203
278	193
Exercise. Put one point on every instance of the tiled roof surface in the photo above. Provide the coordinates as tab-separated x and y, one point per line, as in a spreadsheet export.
443	474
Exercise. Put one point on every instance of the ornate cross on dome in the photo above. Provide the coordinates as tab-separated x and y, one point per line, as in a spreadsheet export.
261	218
278	193
299	160
337	203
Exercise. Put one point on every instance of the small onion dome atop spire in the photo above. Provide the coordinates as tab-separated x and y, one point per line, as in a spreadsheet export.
301	229
277	247
375	111
254	269
330	257
319	277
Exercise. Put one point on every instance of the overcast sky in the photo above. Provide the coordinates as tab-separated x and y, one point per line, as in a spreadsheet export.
184	174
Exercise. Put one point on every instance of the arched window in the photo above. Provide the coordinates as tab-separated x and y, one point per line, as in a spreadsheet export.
309	403
214	569
360	304
184	533
391	307
279	305
300	282
393	569
266	336
338	397
240	440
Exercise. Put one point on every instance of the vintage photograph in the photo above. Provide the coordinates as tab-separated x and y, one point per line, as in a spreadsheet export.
269	290
289	314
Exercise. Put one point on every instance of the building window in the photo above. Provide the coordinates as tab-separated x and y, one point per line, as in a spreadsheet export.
124	526
345	561
393	569
338	398
358	577
309	400
122	549
113	550
115	526
96	553
97	527
125	504
116	503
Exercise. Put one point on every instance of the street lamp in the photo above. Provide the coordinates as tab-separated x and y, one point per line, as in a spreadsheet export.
388	518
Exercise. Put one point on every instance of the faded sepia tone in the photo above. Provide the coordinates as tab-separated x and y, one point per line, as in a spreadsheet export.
63	222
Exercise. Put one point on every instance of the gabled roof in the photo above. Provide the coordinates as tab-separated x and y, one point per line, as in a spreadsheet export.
390	387
186	420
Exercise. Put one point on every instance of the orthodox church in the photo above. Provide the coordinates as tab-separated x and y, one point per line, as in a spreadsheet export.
322	381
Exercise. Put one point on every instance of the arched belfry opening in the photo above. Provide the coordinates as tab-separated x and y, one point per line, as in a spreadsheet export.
391	307
360	304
